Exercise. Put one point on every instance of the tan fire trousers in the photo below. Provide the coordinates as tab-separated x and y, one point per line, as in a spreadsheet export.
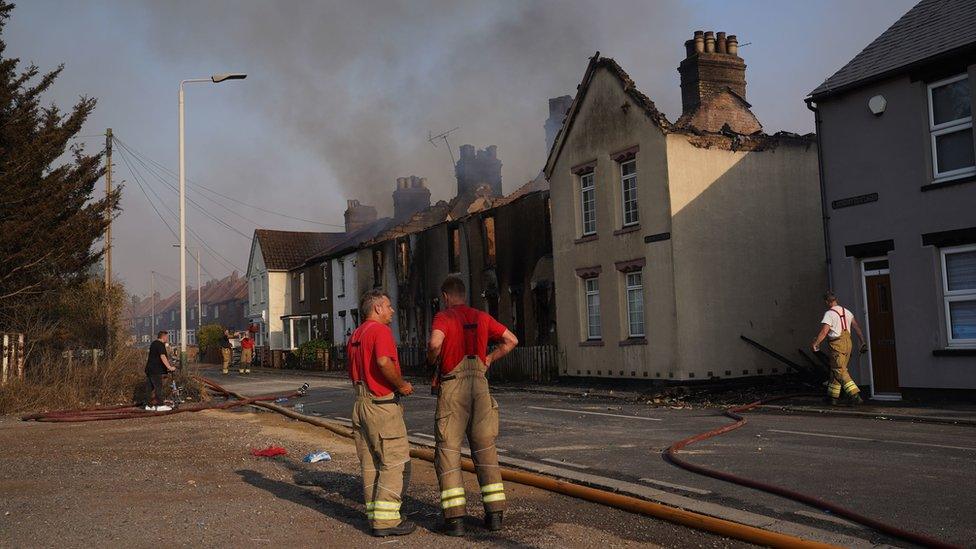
384	455
226	355
840	355
247	355
465	407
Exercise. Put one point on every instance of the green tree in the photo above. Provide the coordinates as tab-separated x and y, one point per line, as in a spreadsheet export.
50	219
209	336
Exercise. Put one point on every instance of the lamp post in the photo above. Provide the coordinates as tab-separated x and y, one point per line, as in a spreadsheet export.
216	79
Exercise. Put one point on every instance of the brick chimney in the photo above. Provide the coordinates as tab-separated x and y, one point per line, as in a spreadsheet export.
711	65
358	215
558	106
411	196
478	168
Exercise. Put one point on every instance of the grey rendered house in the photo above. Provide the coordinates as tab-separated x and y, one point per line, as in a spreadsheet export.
898	171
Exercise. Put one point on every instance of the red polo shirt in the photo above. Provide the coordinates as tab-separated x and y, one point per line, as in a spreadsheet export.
370	341
467	331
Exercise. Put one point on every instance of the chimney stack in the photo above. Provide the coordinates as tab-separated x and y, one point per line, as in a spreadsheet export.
558	107
358	215
711	65
477	168
411	196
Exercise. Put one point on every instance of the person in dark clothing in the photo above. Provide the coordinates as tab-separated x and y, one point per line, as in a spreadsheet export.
156	365
226	350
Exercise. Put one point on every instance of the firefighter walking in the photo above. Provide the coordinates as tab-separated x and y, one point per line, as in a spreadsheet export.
836	328
377	416
459	341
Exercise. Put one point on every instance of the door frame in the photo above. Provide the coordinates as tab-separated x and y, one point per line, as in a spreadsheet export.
865	273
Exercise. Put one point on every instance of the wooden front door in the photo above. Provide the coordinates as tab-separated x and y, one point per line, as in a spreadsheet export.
881	324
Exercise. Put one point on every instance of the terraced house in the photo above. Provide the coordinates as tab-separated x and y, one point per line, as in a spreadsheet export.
672	239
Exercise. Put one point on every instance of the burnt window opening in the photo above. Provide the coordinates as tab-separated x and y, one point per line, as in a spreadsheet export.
489	231
377	267
403	260
454	259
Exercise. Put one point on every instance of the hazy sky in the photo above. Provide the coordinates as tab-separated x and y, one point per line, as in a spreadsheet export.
340	95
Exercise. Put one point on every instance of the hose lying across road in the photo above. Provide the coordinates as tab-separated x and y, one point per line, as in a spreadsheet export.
671	454
635	505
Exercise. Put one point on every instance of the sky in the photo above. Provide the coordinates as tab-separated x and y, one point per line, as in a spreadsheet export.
341	96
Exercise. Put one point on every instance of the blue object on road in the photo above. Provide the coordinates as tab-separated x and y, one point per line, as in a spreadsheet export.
279	400
316	457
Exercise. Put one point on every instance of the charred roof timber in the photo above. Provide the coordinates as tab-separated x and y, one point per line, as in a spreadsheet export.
711	65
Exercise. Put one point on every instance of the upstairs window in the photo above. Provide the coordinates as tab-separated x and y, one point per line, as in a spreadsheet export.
628	192
959	288
454	259
377	267
489	228
301	286
403	260
588	204
341	268
325	283
951	127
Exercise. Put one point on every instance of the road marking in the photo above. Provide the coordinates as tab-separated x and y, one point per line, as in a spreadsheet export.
593	413
425	435
826	517
907	443
567	463
568	448
698	491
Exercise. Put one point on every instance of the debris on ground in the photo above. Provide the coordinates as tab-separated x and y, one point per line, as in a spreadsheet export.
270	451
316	457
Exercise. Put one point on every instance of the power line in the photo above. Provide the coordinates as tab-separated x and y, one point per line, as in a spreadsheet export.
232	199
214	253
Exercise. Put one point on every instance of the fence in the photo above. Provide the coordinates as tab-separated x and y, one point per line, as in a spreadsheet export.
82	357
539	364
12	358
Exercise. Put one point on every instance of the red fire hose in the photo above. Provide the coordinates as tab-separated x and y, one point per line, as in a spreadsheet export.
671	454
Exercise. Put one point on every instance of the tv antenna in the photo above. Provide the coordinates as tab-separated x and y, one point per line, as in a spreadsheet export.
431	138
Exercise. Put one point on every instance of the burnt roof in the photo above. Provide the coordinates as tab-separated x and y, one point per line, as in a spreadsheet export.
353	240
284	250
930	29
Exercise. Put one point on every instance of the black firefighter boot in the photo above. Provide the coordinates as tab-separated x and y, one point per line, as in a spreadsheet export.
493	521
405	527
454	527
855	399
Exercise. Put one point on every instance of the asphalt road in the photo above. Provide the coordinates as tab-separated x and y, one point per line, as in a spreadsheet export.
918	476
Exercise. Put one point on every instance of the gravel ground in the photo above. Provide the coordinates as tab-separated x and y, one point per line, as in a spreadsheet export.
189	480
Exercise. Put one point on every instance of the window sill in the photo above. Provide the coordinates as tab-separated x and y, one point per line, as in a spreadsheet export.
937	184
957	351
591	343
633	341
628	229
587	238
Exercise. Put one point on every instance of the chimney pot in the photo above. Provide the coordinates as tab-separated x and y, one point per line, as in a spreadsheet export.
732	45
699	41
689	48
720	42
709	42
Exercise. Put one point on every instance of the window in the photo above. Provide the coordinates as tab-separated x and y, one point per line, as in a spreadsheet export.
454	260
193	314
588	204
216	311
959	285
403	260
951	127
628	192
191	337
591	290
342	277
325	283
635	303
172	316
377	267
254	289
262	286
301	286
489	227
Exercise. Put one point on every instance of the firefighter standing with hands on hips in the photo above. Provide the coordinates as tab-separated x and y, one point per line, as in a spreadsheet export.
459	339
377	416
836	327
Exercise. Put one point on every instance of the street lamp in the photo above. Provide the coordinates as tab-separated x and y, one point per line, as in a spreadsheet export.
216	79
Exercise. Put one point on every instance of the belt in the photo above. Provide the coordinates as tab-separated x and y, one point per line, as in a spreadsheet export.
394	400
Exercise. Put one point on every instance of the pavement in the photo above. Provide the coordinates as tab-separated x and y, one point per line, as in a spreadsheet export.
189	480
917	475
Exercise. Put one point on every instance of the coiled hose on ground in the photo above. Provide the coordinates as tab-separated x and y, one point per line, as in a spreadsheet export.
671	454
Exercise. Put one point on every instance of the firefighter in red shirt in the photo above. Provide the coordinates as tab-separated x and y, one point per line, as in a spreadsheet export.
377	416
459	338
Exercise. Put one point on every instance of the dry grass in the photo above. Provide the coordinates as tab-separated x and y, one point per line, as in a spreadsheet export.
49	384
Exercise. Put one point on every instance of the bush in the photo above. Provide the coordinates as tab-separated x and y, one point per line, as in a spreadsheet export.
209	337
308	351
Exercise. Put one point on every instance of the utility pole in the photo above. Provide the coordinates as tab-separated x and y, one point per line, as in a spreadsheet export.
108	213
199	294
152	293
